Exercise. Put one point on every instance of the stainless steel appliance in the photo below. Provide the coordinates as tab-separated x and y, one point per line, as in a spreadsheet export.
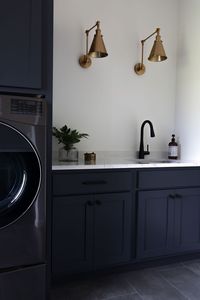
22	197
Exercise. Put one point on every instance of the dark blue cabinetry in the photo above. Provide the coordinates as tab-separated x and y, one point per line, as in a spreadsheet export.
72	232
21	43
187	220
90	230
26	59
168	219
112	213
103	219
154	223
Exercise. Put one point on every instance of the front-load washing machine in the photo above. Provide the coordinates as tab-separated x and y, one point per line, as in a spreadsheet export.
22	197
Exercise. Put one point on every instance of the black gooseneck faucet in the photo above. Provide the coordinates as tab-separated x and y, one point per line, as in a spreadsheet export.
142	152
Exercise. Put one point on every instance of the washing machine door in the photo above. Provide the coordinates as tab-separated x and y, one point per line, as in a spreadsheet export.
20	174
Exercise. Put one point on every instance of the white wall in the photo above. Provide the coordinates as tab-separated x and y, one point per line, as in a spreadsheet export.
188	80
108	100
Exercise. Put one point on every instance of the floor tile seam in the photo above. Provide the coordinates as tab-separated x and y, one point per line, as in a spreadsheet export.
119	295
182	264
187	267
191	270
131	286
137	291
191	261
164	267
176	288
113	297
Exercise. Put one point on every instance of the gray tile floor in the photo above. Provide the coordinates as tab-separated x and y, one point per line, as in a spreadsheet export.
178	281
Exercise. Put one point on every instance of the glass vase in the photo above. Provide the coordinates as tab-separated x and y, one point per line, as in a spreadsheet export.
68	155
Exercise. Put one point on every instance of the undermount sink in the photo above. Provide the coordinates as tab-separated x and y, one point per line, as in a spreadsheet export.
153	161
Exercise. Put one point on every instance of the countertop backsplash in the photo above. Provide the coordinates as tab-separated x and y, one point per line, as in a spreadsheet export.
116	156
122	159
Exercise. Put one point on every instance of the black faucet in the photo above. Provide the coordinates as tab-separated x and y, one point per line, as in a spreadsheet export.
142	153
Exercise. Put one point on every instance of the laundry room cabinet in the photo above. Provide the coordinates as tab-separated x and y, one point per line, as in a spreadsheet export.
26	45
91	230
168	212
21	43
72	231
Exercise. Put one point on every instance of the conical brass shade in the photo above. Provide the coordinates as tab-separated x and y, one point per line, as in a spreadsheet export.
98	48
157	52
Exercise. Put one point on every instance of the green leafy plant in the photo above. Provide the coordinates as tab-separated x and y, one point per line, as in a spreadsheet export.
68	137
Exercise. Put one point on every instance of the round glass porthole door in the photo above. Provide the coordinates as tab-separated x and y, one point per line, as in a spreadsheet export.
20	174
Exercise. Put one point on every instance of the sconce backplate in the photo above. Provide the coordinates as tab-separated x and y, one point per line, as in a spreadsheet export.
139	69
85	61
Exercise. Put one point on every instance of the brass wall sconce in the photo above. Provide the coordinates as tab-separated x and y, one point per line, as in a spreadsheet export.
97	48
157	52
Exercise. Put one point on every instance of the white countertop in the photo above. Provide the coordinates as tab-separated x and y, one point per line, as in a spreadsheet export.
117	160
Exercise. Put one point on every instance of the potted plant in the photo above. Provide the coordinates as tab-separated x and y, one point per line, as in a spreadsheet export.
68	138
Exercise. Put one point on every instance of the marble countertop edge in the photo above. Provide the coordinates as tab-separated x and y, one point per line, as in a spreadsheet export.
83	166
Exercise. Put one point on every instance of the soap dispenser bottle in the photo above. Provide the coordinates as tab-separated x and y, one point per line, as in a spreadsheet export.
173	148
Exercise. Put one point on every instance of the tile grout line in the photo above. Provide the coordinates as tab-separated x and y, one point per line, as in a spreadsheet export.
133	292
137	292
133	287
187	267
173	286
113	297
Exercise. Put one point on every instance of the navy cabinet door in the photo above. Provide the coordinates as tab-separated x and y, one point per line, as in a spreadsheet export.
72	235
21	43
112	213
168	222
187	219
155	223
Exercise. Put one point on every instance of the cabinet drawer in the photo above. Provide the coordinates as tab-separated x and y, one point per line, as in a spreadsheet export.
80	183
168	178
